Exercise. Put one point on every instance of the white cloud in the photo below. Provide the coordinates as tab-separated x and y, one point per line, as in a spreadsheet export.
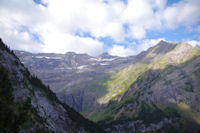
58	23
56	29
194	43
122	51
137	32
183	13
58	42
18	40
96	17
137	10
140	16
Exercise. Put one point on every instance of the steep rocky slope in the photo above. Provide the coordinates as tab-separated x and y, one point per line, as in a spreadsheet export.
27	105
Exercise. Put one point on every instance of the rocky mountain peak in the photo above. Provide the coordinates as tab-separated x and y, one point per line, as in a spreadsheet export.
106	55
163	47
75	54
70	53
162	41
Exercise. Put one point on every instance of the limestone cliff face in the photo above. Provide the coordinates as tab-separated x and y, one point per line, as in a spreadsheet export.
31	106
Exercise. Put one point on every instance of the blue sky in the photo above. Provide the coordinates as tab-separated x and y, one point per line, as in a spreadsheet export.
120	27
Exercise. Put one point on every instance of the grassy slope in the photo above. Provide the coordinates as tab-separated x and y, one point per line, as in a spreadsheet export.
121	82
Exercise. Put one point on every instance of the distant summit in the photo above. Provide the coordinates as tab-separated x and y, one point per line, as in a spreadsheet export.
106	55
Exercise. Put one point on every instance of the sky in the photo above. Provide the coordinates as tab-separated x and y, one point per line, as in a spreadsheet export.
119	27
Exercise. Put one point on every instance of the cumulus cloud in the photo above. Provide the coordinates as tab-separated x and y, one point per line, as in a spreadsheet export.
143	15
57	42
194	43
54	25
53	28
122	51
16	39
183	13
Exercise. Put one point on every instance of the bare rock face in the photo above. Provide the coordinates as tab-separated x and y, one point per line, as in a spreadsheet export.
74	100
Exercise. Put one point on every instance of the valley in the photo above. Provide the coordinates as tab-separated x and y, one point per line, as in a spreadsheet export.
99	66
156	90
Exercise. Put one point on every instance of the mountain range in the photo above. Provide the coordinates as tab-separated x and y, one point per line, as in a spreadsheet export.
155	91
72	76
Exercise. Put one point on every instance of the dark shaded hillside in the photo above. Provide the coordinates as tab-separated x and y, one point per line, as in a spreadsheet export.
27	105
